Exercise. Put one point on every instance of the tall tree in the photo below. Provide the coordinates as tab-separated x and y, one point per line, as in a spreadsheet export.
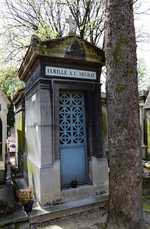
125	204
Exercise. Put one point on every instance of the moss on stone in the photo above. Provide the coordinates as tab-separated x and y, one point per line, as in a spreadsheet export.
148	134
104	123
31	168
120	88
117	53
146	207
6	208
130	71
59	48
7	201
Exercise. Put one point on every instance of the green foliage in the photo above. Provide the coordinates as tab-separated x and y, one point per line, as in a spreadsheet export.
47	19
141	68
9	83
45	32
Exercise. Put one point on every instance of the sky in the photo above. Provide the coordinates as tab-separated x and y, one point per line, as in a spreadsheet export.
142	24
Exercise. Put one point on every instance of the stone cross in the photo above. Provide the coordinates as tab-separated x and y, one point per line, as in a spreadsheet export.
72	24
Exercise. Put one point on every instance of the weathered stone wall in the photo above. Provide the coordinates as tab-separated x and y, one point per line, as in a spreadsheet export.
33	138
43	170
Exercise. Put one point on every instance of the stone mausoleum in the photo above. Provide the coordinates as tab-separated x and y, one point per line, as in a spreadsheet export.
4	102
146	118
63	149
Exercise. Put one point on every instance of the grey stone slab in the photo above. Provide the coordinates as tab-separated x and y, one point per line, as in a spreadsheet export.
63	210
45	107
92	216
7	200
17	217
46	144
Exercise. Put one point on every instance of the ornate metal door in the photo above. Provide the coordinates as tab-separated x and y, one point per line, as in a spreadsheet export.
72	131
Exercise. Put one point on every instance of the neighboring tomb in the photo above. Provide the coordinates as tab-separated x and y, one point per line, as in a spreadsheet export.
21	157
3	132
63	121
146	111
4	102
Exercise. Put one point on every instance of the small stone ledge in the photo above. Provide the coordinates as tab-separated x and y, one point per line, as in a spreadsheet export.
17	217
7	200
42	215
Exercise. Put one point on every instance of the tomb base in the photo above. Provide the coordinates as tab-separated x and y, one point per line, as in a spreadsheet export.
46	182
86	214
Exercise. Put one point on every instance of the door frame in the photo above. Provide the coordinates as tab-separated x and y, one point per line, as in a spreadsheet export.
86	170
57	85
92	91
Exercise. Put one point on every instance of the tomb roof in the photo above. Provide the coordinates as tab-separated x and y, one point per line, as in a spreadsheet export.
147	102
69	47
19	95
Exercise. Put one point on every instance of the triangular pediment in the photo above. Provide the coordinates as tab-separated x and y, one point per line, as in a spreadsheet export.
147	102
72	47
67	48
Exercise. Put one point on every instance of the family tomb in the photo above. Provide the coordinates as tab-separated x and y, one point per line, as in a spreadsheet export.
63	152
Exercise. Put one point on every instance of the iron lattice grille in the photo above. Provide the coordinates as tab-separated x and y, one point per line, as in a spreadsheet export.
71	118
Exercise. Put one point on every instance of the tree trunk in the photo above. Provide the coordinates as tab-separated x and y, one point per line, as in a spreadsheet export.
125	204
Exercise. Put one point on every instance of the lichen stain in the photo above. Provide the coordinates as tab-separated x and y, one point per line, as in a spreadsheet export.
120	88
118	51
104	123
59	50
148	133
130	72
